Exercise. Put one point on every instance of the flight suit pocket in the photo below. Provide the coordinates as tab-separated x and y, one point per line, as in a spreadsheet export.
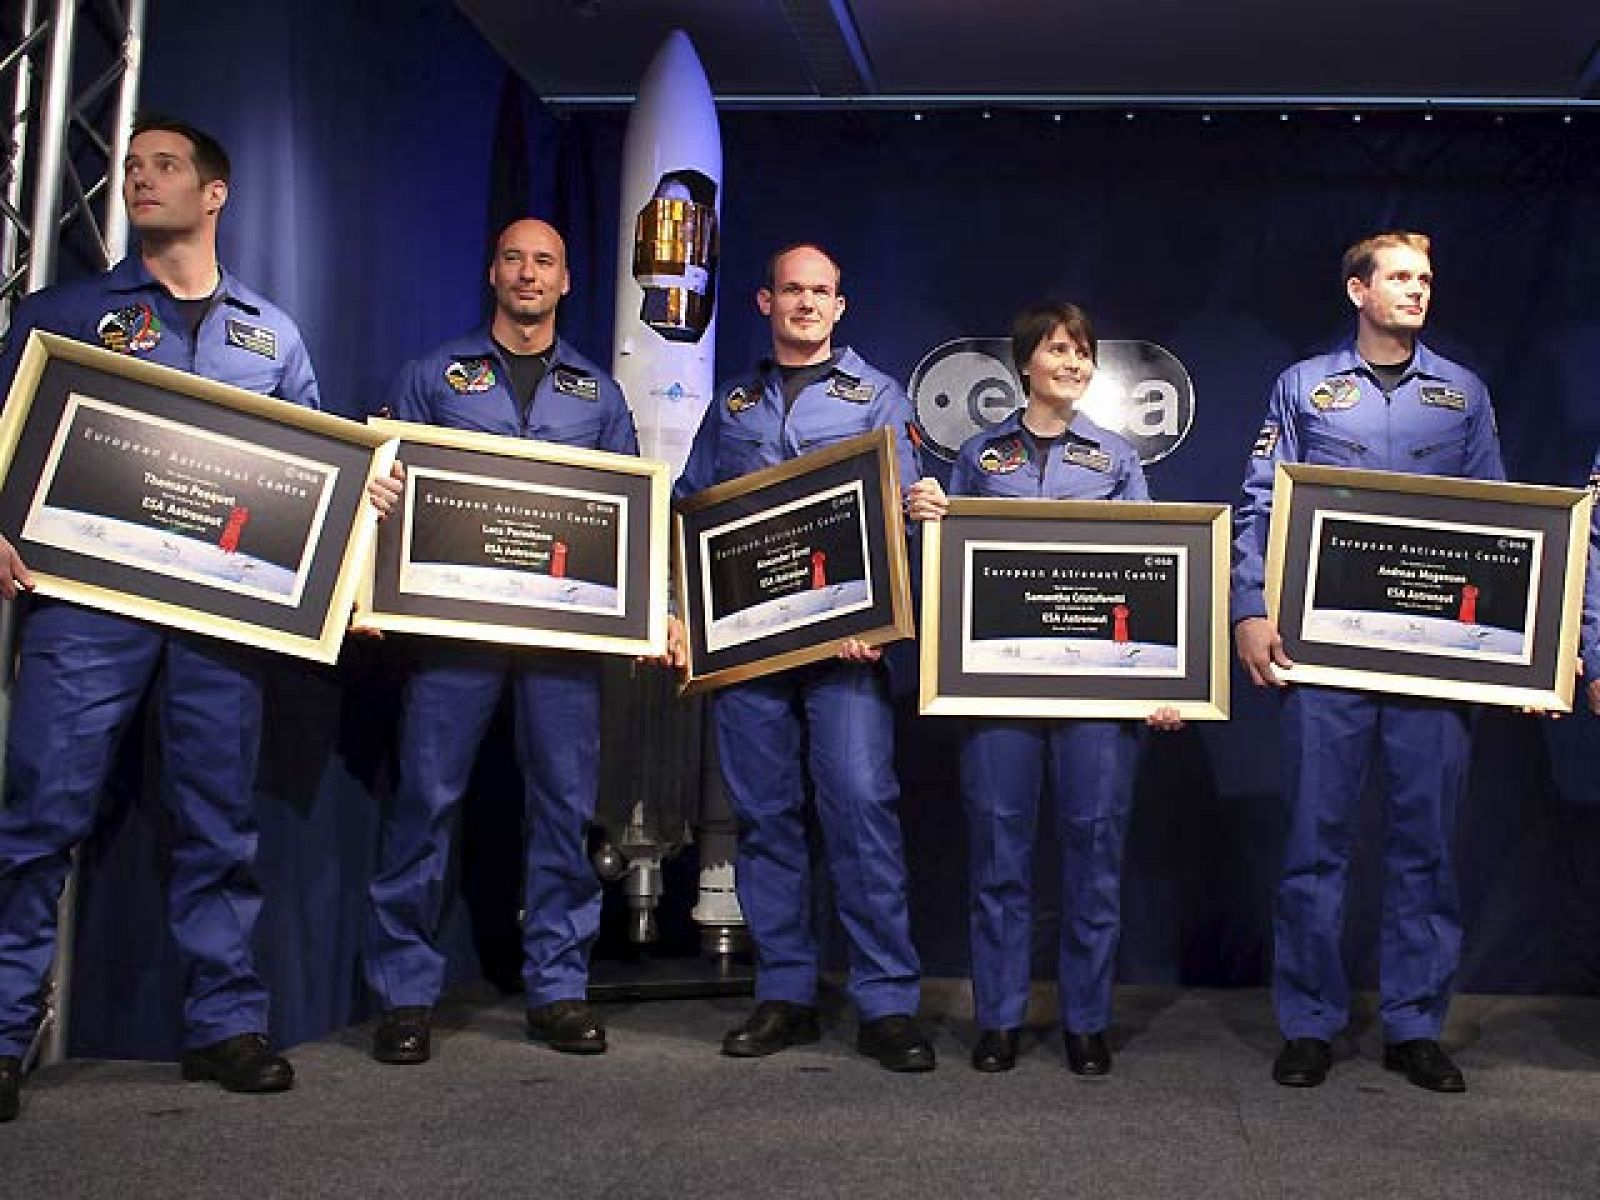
585	432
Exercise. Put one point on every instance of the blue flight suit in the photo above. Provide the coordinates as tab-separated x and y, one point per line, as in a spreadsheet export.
839	711
82	673
1437	421
1089	766
451	696
1589	638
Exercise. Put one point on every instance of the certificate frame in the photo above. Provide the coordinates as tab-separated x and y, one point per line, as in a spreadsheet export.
143	490
609	511
1005	580
1428	586
846	498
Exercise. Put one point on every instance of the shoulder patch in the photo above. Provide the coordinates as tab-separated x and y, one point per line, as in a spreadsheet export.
1086	456
257	339
1335	395
742	399
571	383
854	390
1436	395
467	376
1267	440
1003	457
129	330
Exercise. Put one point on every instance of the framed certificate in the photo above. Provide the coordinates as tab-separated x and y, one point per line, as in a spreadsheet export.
1428	586
154	493
503	539
779	567
1075	608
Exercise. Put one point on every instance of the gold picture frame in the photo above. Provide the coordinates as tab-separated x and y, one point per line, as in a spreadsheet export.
154	493
1074	609
780	567
521	542
1425	585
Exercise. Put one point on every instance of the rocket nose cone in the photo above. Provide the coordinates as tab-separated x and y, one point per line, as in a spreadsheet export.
675	72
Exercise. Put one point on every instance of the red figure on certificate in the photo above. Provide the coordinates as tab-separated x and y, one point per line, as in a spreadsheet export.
819	570
1469	605
558	560
229	541
1119	623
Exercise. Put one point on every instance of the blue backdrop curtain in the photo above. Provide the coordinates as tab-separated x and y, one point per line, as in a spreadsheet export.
377	146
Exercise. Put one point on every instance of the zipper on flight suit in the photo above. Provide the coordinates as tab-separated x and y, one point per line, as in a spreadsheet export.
1357	447
1424	451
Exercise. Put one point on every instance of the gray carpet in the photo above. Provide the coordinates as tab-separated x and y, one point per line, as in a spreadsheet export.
1189	1112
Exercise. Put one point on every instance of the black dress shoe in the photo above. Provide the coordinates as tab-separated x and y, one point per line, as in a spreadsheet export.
996	1051
241	1063
773	1025
569	1026
1088	1053
10	1089
1303	1062
1425	1064
404	1036
896	1043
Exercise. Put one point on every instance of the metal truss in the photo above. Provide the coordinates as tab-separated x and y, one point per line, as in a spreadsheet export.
69	75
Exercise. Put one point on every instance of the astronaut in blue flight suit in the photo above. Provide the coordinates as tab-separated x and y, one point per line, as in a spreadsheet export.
810	395
1589	638
516	379
1385	402
83	671
1047	450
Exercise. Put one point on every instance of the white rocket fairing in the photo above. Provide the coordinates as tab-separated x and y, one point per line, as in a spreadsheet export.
667	252
665	360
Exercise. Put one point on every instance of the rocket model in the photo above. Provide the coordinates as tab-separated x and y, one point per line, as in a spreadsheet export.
667	258
664	359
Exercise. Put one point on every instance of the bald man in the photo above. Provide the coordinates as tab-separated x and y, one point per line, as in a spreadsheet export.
518	379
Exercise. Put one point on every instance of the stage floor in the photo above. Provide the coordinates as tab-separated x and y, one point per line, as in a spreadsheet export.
1188	1112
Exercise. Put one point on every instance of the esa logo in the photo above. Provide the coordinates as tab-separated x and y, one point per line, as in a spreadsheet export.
1139	390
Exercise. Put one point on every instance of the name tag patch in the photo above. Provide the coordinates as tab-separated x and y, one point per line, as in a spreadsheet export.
849	389
255	338
1437	396
570	383
1087	456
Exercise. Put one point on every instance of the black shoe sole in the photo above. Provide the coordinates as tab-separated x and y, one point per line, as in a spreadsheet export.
903	1066
585	1047
1300	1081
573	1047
409	1058
906	1067
994	1066
199	1072
735	1049
1090	1070
1450	1087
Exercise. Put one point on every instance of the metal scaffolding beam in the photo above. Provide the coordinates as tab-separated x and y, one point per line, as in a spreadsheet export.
70	70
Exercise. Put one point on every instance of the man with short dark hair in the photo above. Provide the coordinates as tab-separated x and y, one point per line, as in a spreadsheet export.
82	672
833	717
515	378
1385	402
